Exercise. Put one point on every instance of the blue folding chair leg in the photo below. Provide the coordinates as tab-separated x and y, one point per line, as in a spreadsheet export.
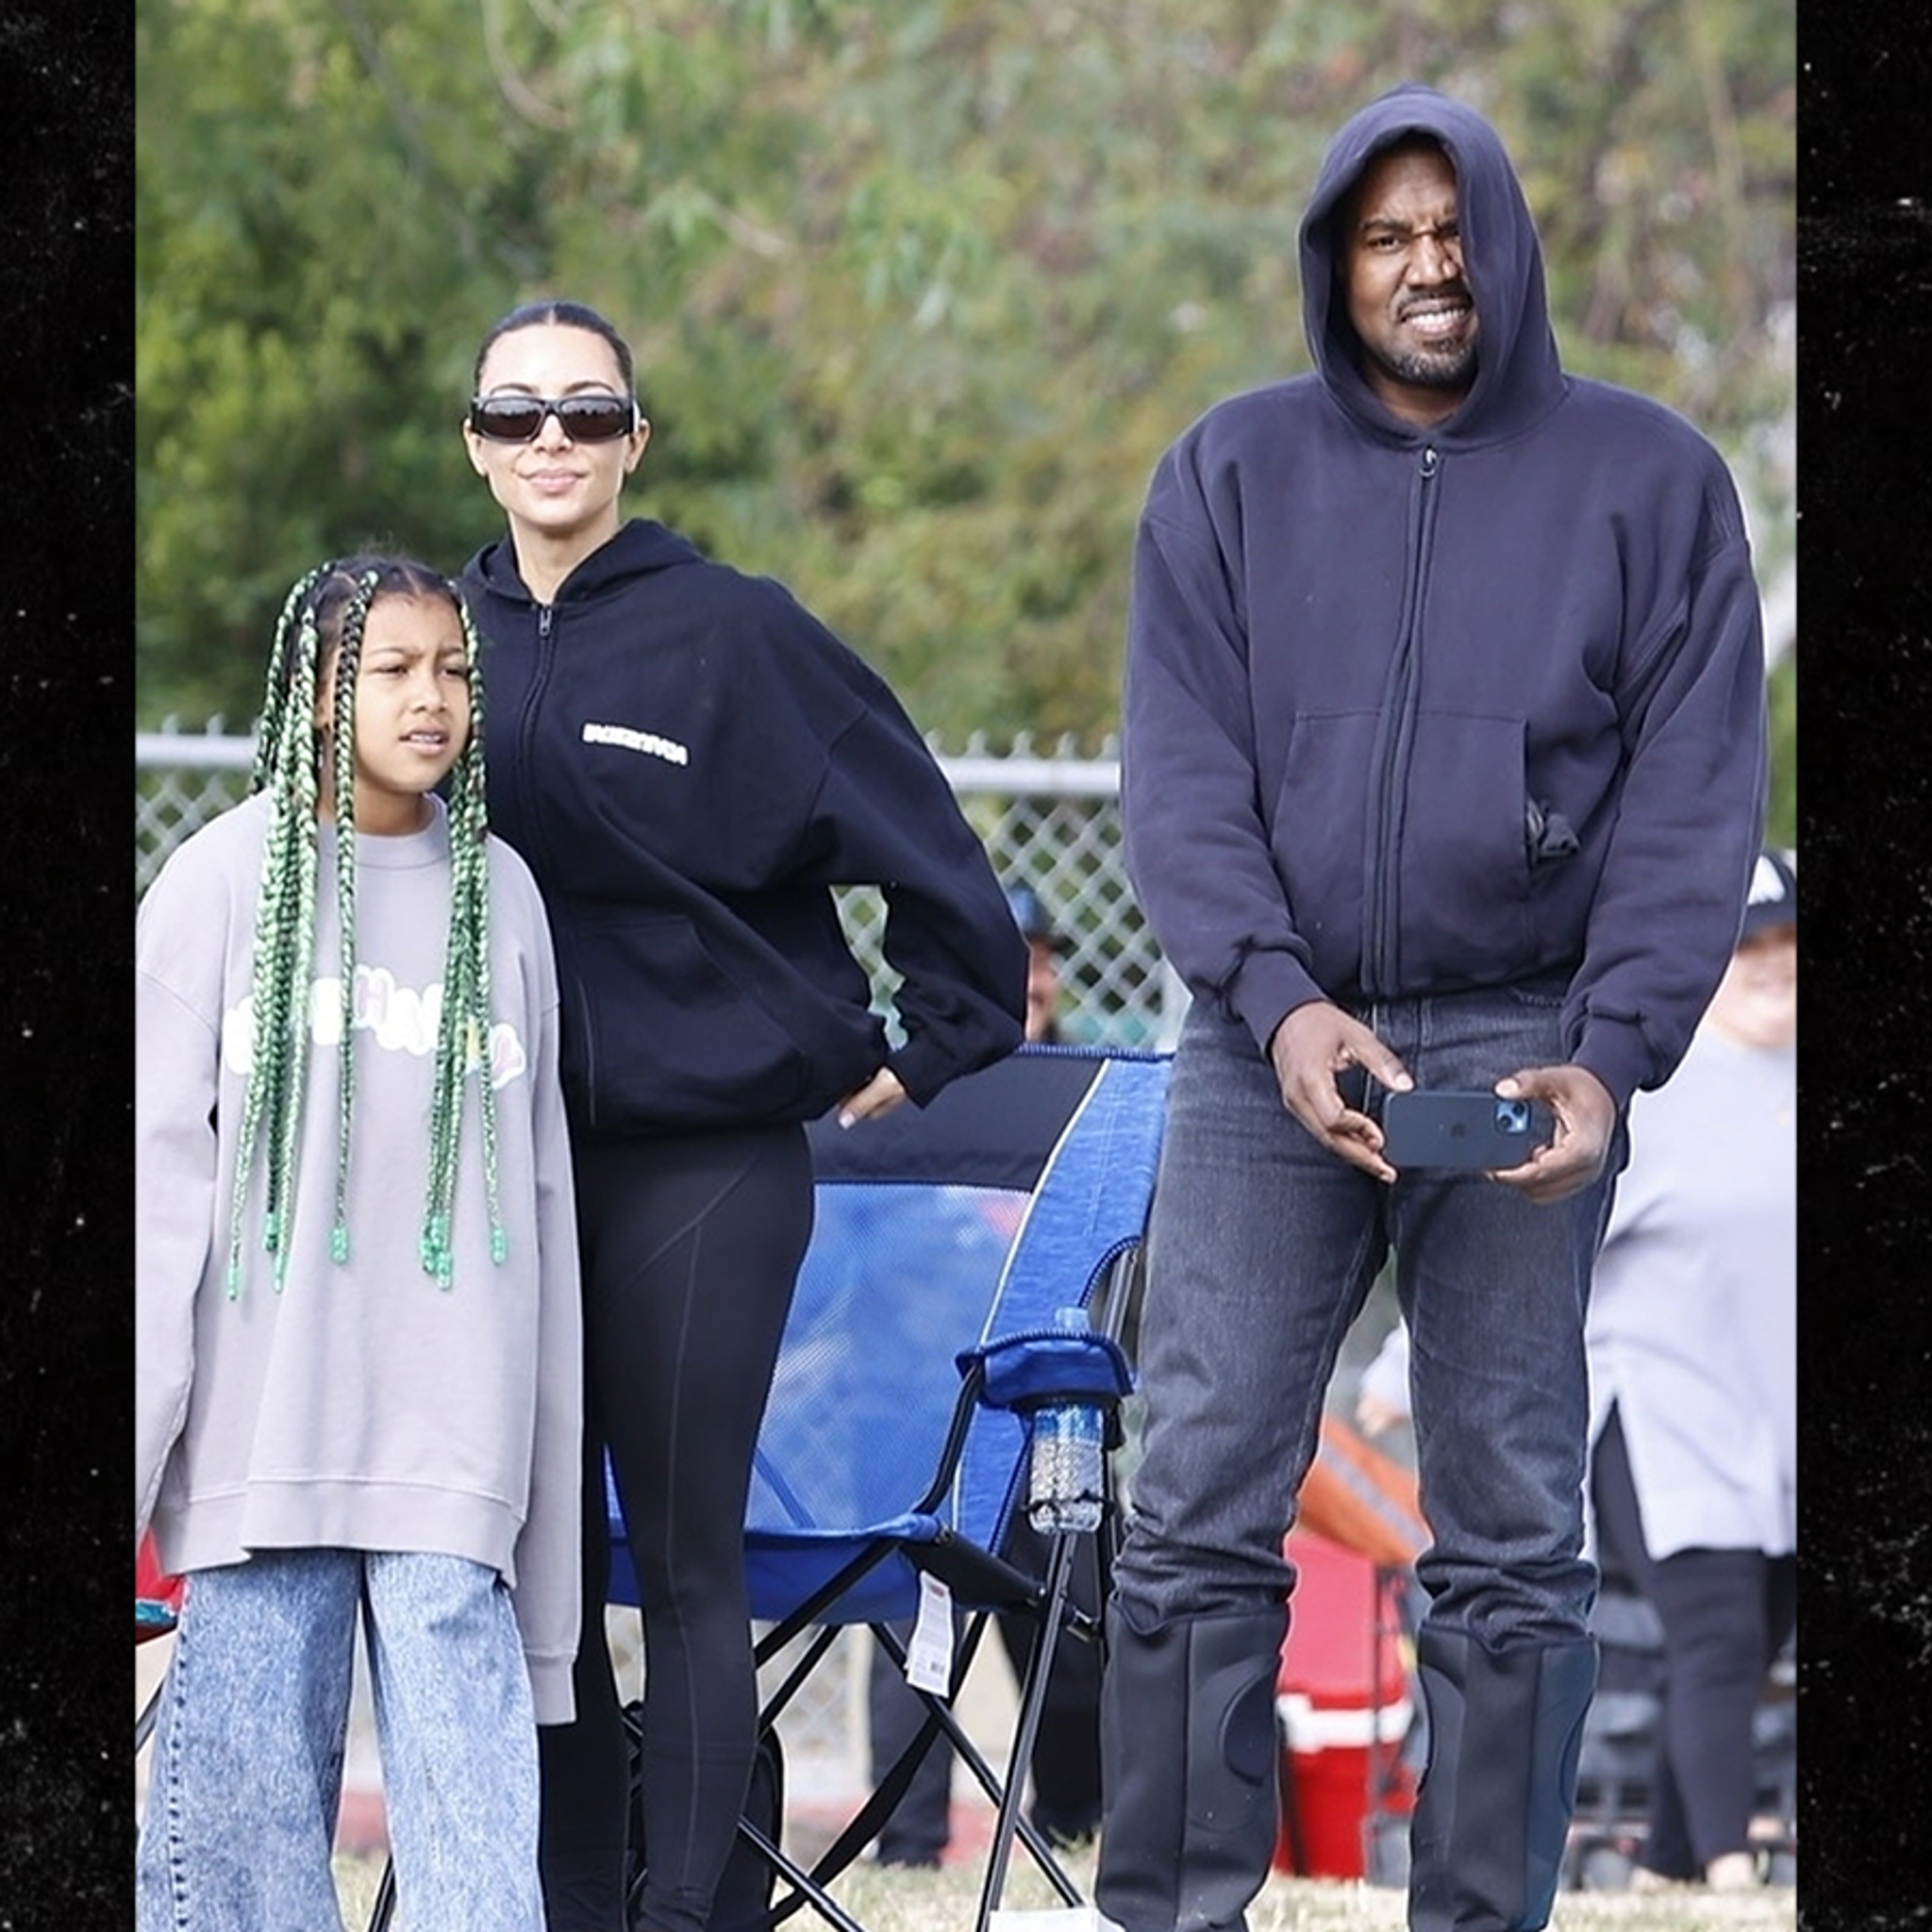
1004	1793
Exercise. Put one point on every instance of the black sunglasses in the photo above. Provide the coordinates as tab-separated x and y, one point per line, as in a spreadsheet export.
513	418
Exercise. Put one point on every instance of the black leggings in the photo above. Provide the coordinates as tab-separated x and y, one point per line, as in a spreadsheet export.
1725	1615
690	1250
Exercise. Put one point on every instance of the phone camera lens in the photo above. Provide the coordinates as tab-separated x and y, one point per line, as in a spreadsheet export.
1512	1116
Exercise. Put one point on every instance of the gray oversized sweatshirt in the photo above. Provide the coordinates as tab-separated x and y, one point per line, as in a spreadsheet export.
359	1405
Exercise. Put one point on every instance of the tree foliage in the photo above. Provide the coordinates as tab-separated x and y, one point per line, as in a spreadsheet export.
919	291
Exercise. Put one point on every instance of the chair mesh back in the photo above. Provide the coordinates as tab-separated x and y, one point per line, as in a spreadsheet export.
1088	1207
898	1279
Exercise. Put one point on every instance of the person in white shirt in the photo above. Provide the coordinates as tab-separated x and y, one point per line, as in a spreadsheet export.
1692	1345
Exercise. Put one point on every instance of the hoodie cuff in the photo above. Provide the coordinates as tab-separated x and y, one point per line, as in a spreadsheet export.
1619	1055
923	1069
1268	988
550	1689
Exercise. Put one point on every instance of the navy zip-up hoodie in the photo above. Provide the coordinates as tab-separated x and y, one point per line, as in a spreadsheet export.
1415	710
689	761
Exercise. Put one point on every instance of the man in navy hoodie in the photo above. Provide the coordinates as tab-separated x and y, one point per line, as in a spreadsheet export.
1444	763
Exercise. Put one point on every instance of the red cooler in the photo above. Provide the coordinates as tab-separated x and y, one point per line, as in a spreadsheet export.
157	1597
1342	1700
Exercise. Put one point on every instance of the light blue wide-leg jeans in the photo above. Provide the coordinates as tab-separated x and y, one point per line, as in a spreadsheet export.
249	1746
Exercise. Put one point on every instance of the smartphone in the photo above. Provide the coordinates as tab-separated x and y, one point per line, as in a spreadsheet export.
1473	1130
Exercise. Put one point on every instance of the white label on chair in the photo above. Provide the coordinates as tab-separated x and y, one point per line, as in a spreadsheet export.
929	1655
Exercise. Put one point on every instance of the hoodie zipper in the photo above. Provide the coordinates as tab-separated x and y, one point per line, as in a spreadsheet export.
533	824
1381	949
526	732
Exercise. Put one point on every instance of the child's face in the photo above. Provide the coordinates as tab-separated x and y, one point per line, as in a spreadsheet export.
412	710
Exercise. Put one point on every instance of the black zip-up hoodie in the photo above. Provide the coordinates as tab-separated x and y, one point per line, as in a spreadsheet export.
1415	710
689	761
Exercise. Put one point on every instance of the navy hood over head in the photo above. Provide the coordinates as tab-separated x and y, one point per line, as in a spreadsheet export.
1418	708
1517	377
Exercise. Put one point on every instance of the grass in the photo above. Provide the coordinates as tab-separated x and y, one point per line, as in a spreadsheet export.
896	1900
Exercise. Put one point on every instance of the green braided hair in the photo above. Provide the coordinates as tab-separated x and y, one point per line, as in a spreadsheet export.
321	628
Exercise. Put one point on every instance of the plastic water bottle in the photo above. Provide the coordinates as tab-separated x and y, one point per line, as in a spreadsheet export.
1064	1488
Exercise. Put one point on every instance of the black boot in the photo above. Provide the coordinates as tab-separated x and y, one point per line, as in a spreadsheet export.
1189	1767
1493	1809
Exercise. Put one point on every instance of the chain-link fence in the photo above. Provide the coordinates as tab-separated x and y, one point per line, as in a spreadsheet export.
1050	820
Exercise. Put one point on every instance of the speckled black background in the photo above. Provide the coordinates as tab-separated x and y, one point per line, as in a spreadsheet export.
66	525
1865	1631
66	475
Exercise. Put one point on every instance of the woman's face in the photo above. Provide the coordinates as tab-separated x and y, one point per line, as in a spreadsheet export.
555	492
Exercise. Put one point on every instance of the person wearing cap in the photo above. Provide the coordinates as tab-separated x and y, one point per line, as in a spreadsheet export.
1043	965
1692	1345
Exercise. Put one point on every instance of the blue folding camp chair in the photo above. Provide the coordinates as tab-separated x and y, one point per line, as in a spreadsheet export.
924	1330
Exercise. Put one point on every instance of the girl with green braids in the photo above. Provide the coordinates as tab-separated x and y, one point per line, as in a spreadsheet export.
359	1349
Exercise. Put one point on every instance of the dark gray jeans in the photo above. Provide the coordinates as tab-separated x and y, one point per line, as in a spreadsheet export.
1262	1250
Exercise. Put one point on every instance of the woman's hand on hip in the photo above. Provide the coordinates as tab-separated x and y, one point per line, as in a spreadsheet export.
880	1095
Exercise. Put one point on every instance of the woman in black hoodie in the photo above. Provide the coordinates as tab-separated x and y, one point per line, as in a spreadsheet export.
690	761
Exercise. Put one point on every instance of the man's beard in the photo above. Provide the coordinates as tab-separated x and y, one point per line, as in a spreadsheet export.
1446	367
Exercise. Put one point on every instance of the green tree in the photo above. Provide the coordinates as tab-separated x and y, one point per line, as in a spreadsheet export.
323	212
918	292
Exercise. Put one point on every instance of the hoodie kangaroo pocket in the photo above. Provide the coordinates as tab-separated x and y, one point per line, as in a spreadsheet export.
1465	886
1316	838
669	1036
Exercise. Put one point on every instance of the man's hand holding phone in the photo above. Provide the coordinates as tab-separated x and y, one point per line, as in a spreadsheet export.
1308	1050
1586	1120
1545	1130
